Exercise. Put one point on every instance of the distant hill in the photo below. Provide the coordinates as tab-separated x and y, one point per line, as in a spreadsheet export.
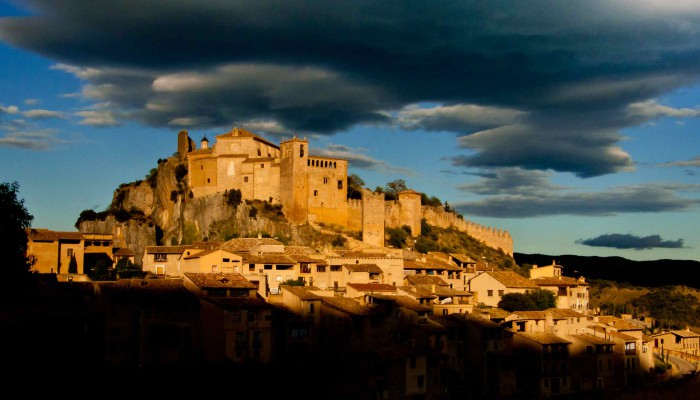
641	273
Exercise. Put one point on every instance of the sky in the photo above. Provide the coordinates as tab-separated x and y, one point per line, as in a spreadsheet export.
572	125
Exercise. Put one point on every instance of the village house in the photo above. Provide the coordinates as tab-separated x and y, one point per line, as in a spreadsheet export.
490	286
684	341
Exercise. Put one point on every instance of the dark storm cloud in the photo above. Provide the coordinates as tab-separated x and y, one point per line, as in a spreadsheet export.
559	79
356	159
627	241
546	201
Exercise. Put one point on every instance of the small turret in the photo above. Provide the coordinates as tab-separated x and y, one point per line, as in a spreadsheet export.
205	142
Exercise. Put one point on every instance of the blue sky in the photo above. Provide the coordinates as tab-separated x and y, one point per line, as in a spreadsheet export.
572	125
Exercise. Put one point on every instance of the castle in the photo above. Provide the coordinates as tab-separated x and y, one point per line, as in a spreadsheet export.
311	188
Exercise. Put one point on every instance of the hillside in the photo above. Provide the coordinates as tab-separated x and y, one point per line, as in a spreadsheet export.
655	273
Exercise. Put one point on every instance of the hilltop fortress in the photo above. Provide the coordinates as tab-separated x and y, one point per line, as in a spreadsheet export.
312	188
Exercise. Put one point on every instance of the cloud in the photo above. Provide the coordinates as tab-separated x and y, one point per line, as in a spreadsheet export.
542	202
32	140
43	114
693	162
627	241
455	118
361	161
98	118
560	84
31	102
9	110
511	181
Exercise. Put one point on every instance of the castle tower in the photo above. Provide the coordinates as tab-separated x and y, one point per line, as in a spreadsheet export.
184	143
373	218
294	186
205	142
411	212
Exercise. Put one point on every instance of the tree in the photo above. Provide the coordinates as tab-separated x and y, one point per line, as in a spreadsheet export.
14	222
392	189
85	215
533	300
397	237
73	265
233	197
355	186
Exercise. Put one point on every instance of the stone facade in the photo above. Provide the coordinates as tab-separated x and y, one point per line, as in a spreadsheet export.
311	188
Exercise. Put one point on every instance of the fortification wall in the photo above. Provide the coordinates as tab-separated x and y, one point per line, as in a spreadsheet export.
492	237
373	218
355	214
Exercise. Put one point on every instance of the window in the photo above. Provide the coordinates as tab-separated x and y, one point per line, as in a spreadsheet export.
262	165
226	260
305	269
245	179
208	180
335	268
420	380
489	293
160	257
501	292
320	268
325	180
311	308
279	278
301	151
251	317
251	267
69	252
340	184
315	192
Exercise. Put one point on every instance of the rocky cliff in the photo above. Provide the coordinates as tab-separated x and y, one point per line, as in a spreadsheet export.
160	211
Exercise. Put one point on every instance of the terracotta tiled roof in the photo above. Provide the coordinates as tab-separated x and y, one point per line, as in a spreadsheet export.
562	281
372	287
373	268
347	305
493	312
566	313
417	292
426	280
268	258
240	132
404	301
46	235
535	315
618	323
167	249
463	258
588	338
511	279
302	292
124	251
430	263
481	321
543	337
685	334
600	330
361	254
219	280
245	244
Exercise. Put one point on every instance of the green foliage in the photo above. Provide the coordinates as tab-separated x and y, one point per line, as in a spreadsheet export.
339	241
671	309
180	172
253	213
151	177
355	186
85	215
397	237
425	244
392	189
125	269
14	222
292	282
101	272
534	300
429	201
173	196
233	197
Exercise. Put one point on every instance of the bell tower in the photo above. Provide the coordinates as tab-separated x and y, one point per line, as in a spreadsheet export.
294	179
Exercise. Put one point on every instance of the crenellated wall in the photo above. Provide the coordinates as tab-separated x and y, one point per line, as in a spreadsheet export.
373	218
492	237
355	214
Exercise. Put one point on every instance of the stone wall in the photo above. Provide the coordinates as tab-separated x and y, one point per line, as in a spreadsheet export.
373	217
492	237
